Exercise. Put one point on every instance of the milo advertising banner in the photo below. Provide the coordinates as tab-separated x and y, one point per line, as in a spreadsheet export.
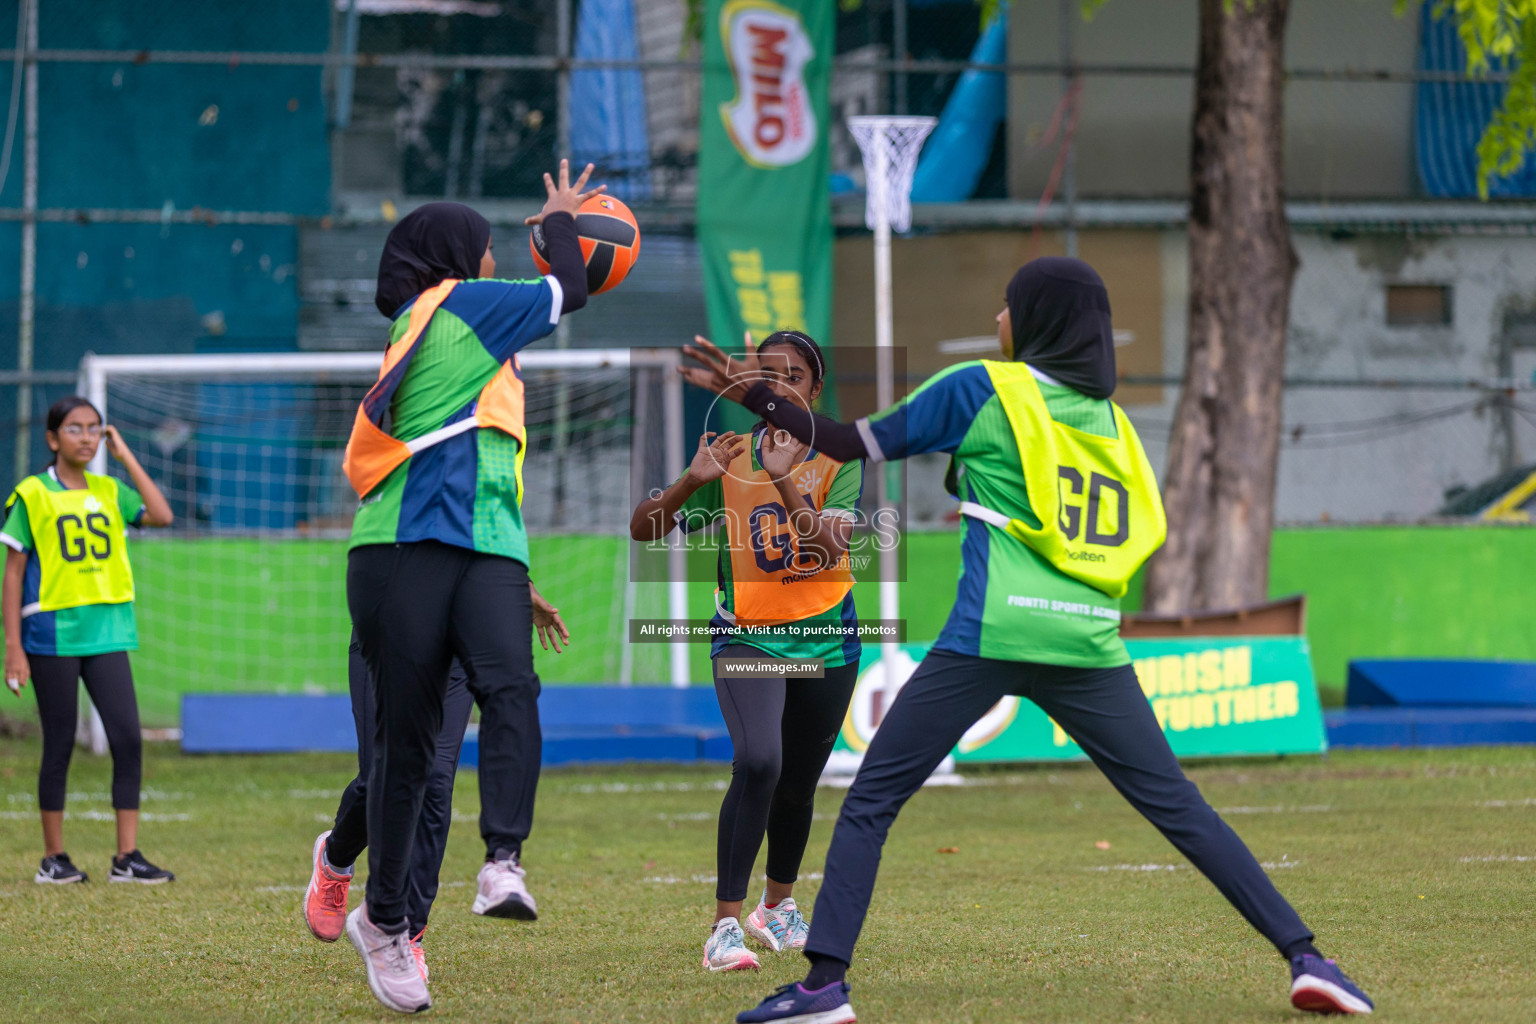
764	213
1213	696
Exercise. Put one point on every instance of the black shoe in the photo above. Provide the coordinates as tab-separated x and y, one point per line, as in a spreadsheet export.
58	870
132	867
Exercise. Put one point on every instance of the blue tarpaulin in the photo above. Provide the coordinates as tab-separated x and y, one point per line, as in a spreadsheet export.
608	104
955	157
1451	116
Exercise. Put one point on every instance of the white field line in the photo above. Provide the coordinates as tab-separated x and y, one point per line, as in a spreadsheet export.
1527	802
1279	809
716	785
1501	858
305	888
92	816
712	815
712	879
643	787
102	798
1268	865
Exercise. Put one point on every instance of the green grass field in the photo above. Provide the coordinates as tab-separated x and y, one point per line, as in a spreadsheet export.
1417	869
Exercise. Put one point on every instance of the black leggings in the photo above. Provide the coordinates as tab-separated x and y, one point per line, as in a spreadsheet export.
416	607
782	732
349	836
1104	710
109	681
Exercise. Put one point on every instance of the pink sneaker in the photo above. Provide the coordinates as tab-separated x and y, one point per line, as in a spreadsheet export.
325	901
420	955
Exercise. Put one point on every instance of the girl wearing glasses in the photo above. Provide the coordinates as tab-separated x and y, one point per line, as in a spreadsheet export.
68	615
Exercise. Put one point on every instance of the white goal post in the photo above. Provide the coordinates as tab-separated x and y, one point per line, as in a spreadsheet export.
594	407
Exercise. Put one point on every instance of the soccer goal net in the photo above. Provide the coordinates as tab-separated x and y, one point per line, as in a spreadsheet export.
247	591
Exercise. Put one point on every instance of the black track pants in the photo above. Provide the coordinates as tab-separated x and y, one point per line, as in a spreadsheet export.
109	681
782	733
416	607
349	836
1104	711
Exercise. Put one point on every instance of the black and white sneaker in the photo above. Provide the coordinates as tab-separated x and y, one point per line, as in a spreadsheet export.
132	867
57	870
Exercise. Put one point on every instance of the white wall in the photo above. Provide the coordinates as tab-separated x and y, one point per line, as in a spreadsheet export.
1374	466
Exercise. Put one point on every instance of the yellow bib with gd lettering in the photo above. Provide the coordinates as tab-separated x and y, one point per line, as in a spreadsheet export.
773	581
1100	511
79	542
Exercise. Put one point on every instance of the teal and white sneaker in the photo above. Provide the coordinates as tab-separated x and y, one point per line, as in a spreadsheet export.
726	949
779	928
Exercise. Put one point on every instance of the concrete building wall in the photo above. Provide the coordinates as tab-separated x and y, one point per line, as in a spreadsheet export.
1343	139
1354	454
1385	453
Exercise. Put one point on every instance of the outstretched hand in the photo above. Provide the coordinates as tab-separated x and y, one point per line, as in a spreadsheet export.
715	455
725	375
565	197
780	453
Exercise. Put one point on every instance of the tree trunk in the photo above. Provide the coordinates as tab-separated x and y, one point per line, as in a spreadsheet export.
1219	486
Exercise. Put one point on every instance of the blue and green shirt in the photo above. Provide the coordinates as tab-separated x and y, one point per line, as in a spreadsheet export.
462	491
1011	604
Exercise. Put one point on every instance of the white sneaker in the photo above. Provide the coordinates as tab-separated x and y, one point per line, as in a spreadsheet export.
503	892
393	975
778	928
726	948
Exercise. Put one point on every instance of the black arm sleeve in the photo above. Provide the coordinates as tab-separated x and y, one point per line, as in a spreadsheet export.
840	441
565	262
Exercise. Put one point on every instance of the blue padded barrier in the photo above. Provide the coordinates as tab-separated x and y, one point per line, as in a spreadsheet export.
1444	683
265	723
1430	727
580	724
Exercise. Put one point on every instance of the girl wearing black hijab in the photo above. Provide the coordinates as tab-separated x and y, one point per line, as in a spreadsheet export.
1059	508
438	563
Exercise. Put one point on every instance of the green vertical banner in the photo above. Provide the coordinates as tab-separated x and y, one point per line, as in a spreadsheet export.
764	207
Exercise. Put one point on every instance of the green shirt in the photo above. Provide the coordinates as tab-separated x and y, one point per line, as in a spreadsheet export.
462	491
69	632
1011	604
707	505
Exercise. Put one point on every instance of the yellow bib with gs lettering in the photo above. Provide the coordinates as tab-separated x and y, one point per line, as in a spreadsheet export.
1100	511
80	543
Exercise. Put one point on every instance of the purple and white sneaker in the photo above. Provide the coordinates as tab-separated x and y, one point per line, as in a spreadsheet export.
794	1004
1318	986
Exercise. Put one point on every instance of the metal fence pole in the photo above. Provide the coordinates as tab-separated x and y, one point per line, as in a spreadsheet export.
26	322
563	330
1068	11
346	74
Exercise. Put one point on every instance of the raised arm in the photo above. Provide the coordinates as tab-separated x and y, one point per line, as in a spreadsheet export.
157	511
558	219
821	534
934	418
